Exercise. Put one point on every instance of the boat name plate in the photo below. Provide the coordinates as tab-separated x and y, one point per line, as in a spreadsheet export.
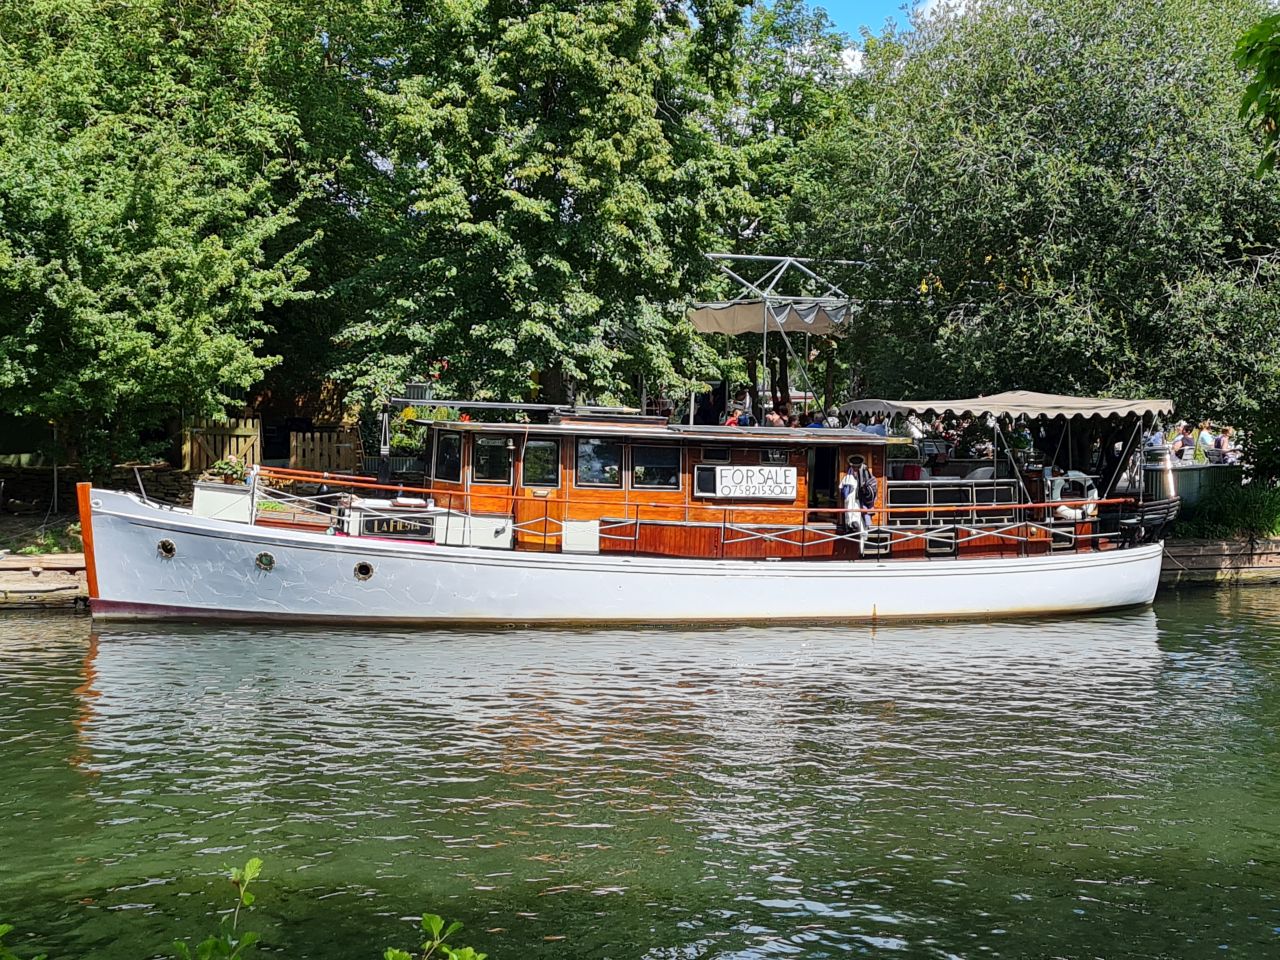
410	529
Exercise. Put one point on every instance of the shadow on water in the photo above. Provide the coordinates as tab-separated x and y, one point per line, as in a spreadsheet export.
1032	788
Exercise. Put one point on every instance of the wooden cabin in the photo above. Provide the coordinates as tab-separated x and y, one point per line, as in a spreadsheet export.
634	484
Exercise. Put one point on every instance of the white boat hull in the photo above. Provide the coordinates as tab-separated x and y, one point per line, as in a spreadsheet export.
213	573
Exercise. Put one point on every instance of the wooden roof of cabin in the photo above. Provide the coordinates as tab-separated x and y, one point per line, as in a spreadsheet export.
686	434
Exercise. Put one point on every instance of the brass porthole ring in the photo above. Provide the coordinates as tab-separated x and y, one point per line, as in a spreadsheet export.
167	548
265	562
364	570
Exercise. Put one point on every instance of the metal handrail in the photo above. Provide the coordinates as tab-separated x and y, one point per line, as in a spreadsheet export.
360	484
732	530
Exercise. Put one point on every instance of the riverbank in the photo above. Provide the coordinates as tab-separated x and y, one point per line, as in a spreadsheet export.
38	533
1235	561
41	565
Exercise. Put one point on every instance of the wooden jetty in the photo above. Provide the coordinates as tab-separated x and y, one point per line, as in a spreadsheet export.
45	581
1240	561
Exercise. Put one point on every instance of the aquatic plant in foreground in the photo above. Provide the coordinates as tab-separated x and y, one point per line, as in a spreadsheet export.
229	944
226	945
8	954
437	933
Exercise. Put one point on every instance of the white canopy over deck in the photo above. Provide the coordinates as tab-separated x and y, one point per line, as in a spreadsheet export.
1012	404
738	317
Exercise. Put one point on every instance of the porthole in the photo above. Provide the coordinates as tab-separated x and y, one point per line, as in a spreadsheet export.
364	570
167	548
265	561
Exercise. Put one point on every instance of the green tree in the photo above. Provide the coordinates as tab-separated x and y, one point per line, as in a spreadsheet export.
550	182
793	68
147	179
1258	53
1059	196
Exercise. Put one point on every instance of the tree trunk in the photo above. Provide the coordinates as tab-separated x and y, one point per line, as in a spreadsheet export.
555	389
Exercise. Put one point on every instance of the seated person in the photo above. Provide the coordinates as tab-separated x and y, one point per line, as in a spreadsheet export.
1225	444
1184	444
1204	436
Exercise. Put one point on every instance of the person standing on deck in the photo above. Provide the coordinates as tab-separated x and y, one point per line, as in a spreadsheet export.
858	493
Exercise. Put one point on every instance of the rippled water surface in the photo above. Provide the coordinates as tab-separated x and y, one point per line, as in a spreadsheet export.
1099	787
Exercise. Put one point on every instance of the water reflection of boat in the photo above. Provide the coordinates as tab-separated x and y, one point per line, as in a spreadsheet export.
514	677
541	741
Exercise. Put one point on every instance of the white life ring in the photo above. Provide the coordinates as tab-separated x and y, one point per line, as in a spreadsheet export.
1090	492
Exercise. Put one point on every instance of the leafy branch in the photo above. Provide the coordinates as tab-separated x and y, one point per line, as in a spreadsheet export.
437	933
225	945
8	954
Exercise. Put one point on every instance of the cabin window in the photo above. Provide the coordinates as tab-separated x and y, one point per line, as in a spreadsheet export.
599	463
491	460
704	481
449	457
774	456
541	466
655	468
715	454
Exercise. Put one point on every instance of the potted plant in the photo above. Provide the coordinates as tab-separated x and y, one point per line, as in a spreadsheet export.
230	469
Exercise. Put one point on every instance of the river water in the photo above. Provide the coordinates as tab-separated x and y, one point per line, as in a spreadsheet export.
1096	787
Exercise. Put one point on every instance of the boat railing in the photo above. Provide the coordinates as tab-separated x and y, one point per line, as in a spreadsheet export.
955	515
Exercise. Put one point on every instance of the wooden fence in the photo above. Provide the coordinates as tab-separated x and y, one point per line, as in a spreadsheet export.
204	442
333	451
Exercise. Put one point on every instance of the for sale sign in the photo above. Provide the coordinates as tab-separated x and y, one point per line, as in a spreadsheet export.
756	483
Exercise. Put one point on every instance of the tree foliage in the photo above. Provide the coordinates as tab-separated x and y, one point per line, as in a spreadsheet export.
142	156
550	185
200	199
1258	53
792	70
1056	196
